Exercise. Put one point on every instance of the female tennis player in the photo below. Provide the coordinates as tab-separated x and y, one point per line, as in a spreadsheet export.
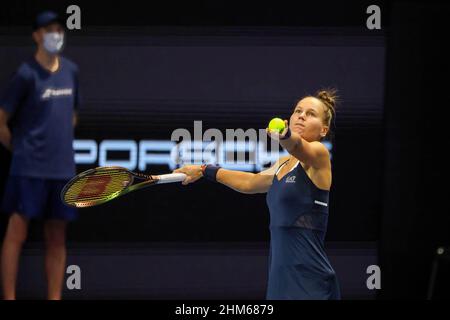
297	188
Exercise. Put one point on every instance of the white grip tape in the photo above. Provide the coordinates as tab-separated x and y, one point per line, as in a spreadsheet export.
171	177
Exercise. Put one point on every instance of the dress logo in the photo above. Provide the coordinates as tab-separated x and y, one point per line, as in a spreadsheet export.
290	179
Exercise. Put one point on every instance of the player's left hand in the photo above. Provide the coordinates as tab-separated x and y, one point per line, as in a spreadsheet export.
273	134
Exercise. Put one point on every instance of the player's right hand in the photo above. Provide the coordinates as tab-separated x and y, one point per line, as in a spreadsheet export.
192	172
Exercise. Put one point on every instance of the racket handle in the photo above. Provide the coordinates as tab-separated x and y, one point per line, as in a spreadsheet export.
171	177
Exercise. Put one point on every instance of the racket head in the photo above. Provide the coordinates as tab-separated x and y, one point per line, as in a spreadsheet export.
96	186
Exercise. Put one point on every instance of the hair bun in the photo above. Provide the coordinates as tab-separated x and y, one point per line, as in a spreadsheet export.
329	96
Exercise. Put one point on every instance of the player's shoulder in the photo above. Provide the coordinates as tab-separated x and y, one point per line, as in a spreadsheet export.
26	69
69	64
320	147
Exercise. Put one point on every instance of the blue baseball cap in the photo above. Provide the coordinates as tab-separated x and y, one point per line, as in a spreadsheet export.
46	18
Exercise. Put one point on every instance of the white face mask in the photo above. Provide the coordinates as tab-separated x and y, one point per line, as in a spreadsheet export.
53	42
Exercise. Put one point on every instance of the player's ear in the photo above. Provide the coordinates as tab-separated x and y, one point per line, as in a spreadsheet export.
324	131
37	36
34	36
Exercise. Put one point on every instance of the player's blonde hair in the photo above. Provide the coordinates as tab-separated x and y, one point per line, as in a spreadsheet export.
328	97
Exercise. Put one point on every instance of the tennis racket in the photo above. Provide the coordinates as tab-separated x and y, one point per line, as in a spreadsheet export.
96	186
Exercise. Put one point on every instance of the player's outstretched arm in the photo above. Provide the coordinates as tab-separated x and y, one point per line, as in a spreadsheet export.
244	182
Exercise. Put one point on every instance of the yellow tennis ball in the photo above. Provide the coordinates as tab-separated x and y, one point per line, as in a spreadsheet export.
276	124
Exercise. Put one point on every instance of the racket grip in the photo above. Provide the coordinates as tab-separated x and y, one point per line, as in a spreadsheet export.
171	177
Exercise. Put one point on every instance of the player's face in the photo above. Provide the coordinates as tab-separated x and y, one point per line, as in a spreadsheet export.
307	119
38	35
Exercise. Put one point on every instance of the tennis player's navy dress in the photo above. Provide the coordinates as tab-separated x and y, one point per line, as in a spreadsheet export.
298	265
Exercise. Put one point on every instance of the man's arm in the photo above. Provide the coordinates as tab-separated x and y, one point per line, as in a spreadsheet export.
5	133
75	119
16	90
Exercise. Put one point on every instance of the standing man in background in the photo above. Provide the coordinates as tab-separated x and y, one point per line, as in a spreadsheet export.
40	100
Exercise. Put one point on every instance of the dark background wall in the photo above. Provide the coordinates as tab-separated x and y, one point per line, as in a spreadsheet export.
415	220
143	83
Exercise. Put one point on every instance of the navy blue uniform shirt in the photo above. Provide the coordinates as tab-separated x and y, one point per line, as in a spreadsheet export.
41	104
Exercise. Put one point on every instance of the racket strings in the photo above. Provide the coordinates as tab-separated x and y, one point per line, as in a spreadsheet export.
75	194
98	186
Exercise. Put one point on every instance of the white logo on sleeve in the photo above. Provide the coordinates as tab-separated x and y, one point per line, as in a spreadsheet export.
48	93
290	179
321	203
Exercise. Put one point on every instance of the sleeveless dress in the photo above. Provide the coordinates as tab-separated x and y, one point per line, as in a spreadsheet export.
298	265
